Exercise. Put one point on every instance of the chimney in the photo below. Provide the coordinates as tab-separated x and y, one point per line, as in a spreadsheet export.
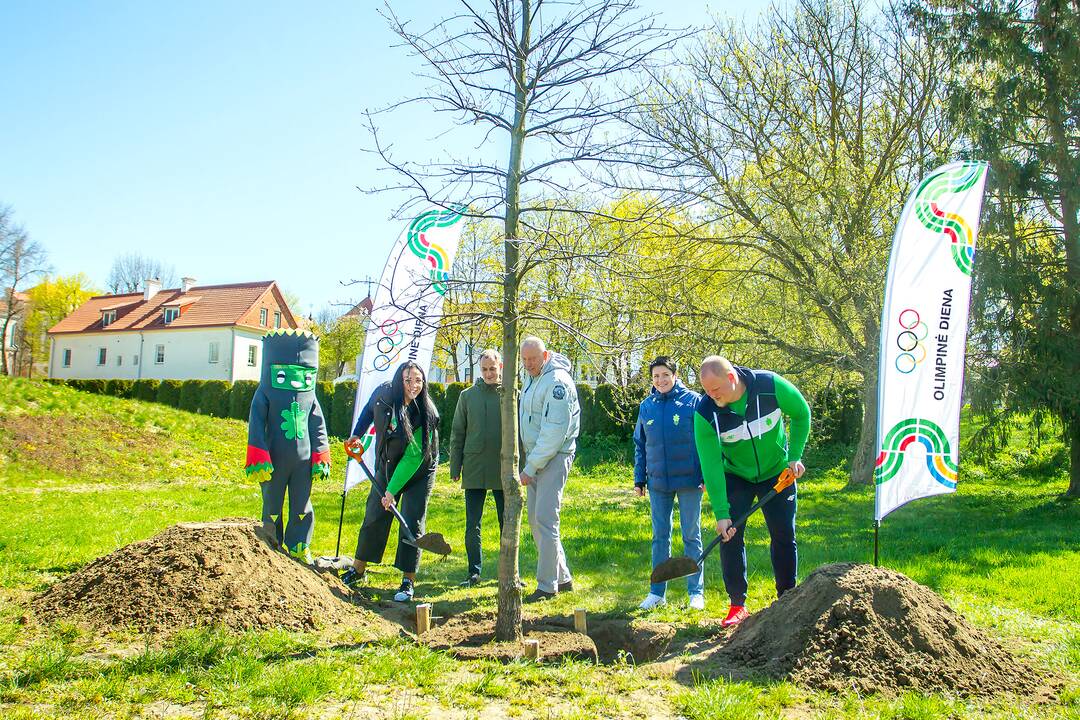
186	284
153	287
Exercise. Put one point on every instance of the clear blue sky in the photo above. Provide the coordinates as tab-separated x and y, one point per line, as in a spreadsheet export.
224	138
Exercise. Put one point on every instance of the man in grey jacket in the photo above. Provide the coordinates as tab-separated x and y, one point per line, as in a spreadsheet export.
548	418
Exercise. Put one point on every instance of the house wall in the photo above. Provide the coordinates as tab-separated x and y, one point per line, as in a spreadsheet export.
187	354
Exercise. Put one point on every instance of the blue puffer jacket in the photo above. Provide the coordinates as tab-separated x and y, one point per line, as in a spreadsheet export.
665	457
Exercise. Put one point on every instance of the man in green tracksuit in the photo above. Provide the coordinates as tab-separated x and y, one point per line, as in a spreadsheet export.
739	432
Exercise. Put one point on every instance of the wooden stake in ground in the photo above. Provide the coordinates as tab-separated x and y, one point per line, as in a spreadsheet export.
423	618
532	649
579	621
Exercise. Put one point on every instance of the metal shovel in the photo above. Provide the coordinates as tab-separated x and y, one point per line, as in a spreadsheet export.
675	568
432	542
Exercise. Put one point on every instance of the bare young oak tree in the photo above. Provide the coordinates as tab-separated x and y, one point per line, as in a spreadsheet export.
795	143
20	260
131	270
539	85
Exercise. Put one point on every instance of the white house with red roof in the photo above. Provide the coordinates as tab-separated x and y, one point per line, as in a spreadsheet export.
186	333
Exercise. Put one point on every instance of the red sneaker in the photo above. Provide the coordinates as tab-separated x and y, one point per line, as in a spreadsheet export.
735	615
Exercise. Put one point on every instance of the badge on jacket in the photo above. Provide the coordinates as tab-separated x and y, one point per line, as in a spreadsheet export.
558	392
675	419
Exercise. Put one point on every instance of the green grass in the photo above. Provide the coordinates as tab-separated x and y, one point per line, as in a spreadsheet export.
1003	550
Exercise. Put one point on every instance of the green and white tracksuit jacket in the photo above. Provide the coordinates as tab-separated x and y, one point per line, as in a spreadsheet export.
747	437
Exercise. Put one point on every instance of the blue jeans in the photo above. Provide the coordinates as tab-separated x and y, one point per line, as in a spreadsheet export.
663	508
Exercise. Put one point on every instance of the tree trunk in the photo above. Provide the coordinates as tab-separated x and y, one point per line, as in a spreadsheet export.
508	620
3	340
1073	425
862	465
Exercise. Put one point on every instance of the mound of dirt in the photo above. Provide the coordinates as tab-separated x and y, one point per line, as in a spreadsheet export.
215	573
471	636
851	626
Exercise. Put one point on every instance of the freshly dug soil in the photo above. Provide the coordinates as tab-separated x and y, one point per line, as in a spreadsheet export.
214	573
471	636
852	626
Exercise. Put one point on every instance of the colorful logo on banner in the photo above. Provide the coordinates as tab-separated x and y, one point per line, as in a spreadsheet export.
930	193
910	341
390	345
422	248
938	454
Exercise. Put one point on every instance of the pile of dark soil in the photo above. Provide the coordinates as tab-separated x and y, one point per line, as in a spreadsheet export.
471	636
851	626
201	574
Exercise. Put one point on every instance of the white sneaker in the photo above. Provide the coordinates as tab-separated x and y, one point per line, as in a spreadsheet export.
697	602
652	601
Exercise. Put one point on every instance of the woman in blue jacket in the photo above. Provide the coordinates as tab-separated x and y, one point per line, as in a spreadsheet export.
666	465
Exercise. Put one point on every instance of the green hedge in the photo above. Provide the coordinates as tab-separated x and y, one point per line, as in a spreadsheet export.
146	390
169	393
606	411
240	396
615	410
191	395
324	393
446	422
120	388
587	400
344	399
215	398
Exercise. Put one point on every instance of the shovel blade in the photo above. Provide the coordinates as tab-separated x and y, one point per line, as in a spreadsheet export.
433	542
673	569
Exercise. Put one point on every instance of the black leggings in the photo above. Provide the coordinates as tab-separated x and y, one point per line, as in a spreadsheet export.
412	502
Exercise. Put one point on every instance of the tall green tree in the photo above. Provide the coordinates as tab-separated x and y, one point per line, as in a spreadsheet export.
1014	92
795	143
49	302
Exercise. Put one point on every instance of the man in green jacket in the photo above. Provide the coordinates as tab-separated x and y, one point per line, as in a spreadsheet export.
475	446
739	432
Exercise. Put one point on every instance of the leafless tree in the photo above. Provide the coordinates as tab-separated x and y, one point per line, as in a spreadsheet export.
20	260
544	82
131	270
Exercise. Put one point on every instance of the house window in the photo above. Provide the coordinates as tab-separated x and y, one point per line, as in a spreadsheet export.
67	357
119	360
108	317
277	319
213	352
159	354
101	356
134	359
253	354
13	332
171	313
262	317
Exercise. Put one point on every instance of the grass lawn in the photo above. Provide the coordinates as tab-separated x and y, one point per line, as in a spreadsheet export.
84	474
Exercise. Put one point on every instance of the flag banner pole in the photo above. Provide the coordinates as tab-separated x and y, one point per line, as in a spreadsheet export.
924	322
340	522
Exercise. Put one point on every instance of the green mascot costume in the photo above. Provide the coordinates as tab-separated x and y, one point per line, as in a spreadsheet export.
287	442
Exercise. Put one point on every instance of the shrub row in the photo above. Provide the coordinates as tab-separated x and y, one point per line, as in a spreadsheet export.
606	410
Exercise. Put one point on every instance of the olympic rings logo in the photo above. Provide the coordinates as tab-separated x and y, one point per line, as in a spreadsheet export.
910	341
390	345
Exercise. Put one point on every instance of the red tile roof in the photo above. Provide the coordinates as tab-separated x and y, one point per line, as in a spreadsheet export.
218	305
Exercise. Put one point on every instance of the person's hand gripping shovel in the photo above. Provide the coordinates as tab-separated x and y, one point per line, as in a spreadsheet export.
675	568
432	542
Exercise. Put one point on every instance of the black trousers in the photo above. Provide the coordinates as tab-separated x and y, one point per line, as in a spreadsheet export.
779	519
412	502
474	513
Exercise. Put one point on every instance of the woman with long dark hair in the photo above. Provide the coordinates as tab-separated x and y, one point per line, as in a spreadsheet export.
406	454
